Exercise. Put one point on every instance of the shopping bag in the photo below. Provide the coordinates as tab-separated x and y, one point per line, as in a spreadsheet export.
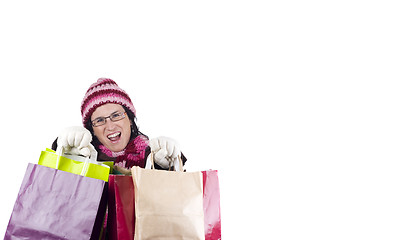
211	205
121	216
168	204
54	204
75	164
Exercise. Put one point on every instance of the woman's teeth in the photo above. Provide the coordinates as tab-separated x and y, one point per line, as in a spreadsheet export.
114	135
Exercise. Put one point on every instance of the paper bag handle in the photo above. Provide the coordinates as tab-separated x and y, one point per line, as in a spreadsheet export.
87	160
175	166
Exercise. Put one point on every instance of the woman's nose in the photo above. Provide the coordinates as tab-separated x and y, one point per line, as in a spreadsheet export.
109	124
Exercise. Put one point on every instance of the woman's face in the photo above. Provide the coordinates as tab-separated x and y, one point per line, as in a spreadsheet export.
113	135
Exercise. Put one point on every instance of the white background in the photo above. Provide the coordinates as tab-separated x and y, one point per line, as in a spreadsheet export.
308	109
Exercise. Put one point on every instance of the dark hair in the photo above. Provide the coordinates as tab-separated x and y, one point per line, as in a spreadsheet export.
135	132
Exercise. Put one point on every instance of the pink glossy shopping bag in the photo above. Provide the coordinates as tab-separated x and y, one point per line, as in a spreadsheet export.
211	204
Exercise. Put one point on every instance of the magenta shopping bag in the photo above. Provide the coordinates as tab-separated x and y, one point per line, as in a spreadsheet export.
53	204
211	204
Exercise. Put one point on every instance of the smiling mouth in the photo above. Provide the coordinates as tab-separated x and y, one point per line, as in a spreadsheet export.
114	136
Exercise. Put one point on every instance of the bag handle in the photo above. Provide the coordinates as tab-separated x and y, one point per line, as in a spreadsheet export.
176	166
92	159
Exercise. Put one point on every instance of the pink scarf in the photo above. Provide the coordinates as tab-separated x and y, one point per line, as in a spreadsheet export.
132	155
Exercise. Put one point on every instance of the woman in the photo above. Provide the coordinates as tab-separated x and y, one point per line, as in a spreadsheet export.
108	117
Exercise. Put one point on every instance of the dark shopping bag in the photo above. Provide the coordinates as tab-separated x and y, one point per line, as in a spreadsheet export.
121	216
53	204
211	204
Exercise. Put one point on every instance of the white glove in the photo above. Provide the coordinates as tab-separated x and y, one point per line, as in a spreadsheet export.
75	141
165	150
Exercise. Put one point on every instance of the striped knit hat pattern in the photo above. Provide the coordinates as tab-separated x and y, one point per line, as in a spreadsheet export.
103	91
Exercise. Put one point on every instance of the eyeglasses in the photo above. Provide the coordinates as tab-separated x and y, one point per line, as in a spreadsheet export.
116	116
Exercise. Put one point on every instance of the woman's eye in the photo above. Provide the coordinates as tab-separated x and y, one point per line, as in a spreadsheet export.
99	120
116	115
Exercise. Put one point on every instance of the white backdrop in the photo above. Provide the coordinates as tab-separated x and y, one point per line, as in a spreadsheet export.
308	109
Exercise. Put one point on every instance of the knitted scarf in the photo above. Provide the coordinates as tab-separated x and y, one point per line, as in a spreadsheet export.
132	155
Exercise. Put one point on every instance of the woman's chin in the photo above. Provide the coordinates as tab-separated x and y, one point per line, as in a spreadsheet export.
115	147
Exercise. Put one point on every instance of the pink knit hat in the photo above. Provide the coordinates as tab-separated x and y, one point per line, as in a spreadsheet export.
104	91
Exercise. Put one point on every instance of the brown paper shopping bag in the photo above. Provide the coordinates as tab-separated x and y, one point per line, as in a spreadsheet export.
168	204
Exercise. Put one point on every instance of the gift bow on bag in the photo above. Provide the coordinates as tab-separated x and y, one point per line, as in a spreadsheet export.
168	204
85	166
